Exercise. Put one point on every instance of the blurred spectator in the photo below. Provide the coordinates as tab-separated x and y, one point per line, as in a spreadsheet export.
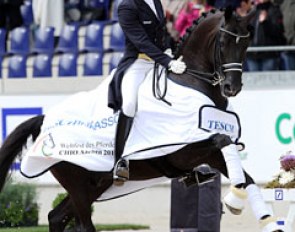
244	7
172	8
49	13
225	3
191	11
72	11
288	11
269	31
91	11
10	14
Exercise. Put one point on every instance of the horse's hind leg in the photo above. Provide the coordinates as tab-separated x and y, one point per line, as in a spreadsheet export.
83	210
77	182
60	216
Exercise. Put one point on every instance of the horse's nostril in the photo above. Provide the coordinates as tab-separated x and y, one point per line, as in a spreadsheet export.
227	88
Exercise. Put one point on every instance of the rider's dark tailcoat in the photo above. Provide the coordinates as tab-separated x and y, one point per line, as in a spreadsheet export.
144	33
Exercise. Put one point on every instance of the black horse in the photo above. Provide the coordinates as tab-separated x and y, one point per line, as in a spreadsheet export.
213	49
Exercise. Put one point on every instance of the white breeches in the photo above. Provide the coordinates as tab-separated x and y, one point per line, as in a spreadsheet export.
132	79
233	164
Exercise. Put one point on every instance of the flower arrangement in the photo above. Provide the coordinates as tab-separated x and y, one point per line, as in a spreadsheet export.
286	177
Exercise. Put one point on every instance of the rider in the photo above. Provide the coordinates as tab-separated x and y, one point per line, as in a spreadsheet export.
146	42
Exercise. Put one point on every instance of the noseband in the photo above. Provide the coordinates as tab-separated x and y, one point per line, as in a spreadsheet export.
218	76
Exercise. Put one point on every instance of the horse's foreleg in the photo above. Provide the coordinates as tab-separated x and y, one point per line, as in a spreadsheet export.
232	159
235	199
60	216
259	208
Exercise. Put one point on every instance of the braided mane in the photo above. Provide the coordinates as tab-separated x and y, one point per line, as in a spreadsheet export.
189	30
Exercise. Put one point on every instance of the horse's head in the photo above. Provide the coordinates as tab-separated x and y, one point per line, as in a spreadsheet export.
234	40
214	49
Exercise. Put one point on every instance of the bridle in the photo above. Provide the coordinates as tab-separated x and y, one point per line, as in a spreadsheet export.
217	77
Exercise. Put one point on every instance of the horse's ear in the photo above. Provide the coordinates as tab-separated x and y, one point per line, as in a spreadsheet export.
228	13
248	18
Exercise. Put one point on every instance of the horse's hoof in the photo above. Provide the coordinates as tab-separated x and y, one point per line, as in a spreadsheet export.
270	224
235	200
233	210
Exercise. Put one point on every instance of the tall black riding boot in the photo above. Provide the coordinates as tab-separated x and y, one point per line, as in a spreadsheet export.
121	169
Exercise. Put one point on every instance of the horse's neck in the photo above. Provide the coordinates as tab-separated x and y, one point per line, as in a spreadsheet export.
213	92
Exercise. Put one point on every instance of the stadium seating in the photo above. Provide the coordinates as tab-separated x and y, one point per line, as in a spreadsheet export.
44	40
67	65
92	65
94	37
114	60
117	38
19	41
42	65
2	41
68	40
0	66
27	12
17	66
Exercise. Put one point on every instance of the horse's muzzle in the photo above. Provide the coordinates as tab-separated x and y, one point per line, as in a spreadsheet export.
229	90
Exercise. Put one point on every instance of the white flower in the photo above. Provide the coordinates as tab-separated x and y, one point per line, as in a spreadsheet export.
286	177
278	174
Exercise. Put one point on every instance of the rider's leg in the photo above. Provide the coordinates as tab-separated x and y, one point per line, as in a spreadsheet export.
121	170
132	79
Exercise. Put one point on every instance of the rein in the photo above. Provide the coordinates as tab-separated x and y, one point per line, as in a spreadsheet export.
158	94
217	76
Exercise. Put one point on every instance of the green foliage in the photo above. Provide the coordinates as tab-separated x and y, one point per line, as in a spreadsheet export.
275	184
18	206
58	199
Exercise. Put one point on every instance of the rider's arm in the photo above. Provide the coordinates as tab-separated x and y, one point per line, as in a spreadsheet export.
134	31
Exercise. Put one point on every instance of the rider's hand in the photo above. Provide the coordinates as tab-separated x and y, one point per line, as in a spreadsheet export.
177	66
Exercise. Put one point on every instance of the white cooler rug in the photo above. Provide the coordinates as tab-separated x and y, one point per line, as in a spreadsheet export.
81	129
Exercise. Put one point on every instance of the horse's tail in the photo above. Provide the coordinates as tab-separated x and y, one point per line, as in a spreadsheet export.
14	143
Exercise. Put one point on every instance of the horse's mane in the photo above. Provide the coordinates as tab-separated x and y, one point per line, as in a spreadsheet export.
189	30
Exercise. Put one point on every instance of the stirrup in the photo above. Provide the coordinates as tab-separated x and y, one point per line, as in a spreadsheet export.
121	172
